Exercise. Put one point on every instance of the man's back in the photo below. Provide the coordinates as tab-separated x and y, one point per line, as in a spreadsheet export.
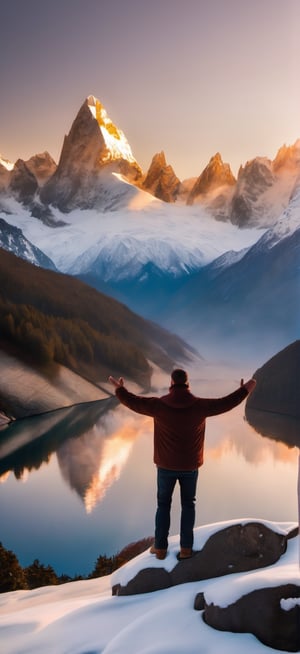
179	422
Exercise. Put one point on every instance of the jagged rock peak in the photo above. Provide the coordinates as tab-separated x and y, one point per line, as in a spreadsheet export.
258	170
216	174
94	148
42	166
94	142
23	183
161	179
288	157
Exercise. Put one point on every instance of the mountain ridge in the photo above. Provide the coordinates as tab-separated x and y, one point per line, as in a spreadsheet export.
96	159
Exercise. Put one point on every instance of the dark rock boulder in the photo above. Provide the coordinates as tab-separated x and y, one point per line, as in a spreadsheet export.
146	581
261	614
236	548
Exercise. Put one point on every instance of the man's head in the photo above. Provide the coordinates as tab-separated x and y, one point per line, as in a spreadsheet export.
179	377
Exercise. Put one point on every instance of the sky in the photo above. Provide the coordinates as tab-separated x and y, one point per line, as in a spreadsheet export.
189	77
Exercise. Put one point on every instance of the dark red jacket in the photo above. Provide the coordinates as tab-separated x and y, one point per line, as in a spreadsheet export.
179	422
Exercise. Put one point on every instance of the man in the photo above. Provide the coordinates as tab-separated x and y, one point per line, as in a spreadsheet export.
179	429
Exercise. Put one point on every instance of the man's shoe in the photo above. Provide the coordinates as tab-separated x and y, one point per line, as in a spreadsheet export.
160	554
185	553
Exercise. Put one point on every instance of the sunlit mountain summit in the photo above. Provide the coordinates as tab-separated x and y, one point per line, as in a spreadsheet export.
95	163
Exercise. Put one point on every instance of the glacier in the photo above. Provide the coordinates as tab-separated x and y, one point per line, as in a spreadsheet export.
118	245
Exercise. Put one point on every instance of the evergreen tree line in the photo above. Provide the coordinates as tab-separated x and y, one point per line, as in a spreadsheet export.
14	577
70	342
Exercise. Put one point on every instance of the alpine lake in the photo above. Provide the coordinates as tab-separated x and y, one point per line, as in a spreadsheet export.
80	481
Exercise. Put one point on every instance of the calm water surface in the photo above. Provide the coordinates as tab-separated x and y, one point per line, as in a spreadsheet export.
80	482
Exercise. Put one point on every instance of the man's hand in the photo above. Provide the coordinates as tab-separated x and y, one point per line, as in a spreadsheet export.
117	383
249	385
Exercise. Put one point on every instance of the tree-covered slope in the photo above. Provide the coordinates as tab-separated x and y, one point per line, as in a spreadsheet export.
48	316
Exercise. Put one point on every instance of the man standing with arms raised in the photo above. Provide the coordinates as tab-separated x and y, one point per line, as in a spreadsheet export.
179	430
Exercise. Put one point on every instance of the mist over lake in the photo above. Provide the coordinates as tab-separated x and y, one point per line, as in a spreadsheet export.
81	482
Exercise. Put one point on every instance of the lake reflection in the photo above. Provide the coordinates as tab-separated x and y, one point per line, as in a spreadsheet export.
80	482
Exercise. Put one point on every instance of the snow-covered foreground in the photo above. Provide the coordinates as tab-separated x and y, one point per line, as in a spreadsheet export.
83	618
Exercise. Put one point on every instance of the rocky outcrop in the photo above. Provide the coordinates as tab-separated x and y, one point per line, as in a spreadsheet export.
161	180
263	614
236	548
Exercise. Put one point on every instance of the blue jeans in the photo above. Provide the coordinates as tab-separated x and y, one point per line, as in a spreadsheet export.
166	480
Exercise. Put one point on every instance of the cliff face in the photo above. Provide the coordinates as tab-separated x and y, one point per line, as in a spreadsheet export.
277	387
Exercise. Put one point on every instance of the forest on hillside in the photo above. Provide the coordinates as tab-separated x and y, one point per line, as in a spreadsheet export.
48	316
45	339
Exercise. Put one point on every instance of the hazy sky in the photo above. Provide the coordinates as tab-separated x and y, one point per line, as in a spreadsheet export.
190	77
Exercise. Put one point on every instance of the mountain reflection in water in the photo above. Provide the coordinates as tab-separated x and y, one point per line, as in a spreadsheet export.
90	480
276	426
91	442
92	463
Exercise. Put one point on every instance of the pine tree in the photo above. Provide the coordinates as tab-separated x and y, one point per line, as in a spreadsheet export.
12	576
38	575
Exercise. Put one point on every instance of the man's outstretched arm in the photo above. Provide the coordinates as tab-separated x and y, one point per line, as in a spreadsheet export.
214	407
249	385
144	405
117	383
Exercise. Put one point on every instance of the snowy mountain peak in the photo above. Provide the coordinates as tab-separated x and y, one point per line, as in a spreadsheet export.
6	164
93	150
117	146
287	158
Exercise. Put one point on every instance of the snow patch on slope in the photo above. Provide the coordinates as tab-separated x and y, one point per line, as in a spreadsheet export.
115	140
7	164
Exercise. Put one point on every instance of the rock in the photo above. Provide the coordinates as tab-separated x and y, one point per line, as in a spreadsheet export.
261	614
146	581
199	603
236	548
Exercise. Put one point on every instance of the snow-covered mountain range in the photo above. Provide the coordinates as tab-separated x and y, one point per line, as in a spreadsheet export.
201	255
97	170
